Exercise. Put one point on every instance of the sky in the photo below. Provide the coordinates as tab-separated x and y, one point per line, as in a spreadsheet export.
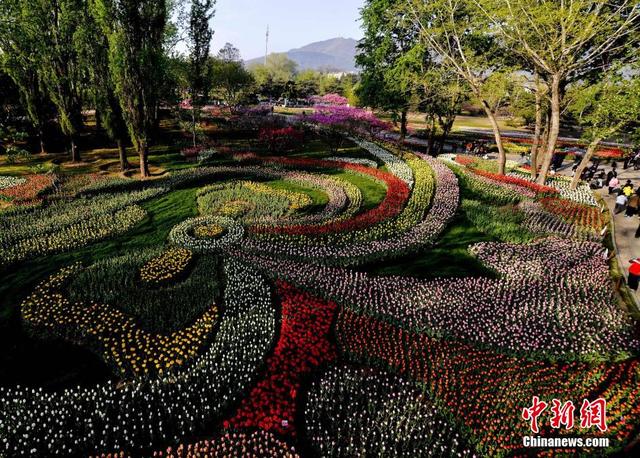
292	23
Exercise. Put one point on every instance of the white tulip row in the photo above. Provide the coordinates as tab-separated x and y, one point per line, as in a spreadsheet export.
394	164
364	412
355	160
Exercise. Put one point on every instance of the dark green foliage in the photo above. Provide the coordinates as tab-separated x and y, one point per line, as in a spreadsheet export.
167	309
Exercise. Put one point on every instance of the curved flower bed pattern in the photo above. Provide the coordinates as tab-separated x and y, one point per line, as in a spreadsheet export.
303	345
145	412
457	375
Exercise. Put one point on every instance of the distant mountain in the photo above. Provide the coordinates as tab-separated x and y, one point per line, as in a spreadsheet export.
334	55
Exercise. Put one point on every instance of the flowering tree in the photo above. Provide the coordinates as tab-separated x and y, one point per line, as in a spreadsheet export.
336	121
329	100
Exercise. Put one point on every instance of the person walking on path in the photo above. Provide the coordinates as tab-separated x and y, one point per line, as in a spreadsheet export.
621	203
634	274
633	204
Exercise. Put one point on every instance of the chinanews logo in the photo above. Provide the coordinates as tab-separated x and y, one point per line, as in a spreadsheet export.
592	414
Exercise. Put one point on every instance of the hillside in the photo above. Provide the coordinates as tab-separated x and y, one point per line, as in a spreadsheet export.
336	55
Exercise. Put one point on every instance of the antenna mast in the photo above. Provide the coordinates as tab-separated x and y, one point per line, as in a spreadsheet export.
266	46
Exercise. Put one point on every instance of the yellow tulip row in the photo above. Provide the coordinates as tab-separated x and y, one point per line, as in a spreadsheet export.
208	231
134	351
167	266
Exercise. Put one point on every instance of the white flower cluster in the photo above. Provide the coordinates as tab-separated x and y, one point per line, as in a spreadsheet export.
182	234
394	164
354	160
206	154
364	412
7	182
83	421
582	194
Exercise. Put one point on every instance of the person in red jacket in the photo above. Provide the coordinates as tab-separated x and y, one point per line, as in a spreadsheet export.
634	274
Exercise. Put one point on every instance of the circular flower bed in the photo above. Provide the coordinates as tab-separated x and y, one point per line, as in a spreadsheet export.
184	234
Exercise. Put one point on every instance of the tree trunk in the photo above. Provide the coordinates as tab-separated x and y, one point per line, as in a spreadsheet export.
143	152
554	129
446	127
43	148
403	126
75	152
98	121
502	157
538	131
593	146
193	125
122	152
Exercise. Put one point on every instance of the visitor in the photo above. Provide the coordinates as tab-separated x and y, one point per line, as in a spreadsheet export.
634	274
632	205
574	169
610	175
621	203
627	189
613	184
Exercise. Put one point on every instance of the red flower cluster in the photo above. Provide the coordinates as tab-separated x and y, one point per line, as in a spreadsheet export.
487	390
394	201
28	191
574	213
610	153
465	160
516	181
278	140
303	345
192	153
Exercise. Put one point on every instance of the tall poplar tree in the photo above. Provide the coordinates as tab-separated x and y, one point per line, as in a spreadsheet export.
200	35
135	30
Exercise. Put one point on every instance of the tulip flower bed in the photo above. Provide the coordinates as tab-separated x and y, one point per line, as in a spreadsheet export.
585	216
303	345
518	181
139	414
63	226
517	313
166	267
242	310
581	195
358	412
72	236
164	307
133	351
487	391
9	182
355	160
26	192
258	444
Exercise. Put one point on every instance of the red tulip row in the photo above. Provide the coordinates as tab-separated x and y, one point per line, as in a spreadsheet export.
583	215
516	181
303	345
28	191
487	391
394	201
